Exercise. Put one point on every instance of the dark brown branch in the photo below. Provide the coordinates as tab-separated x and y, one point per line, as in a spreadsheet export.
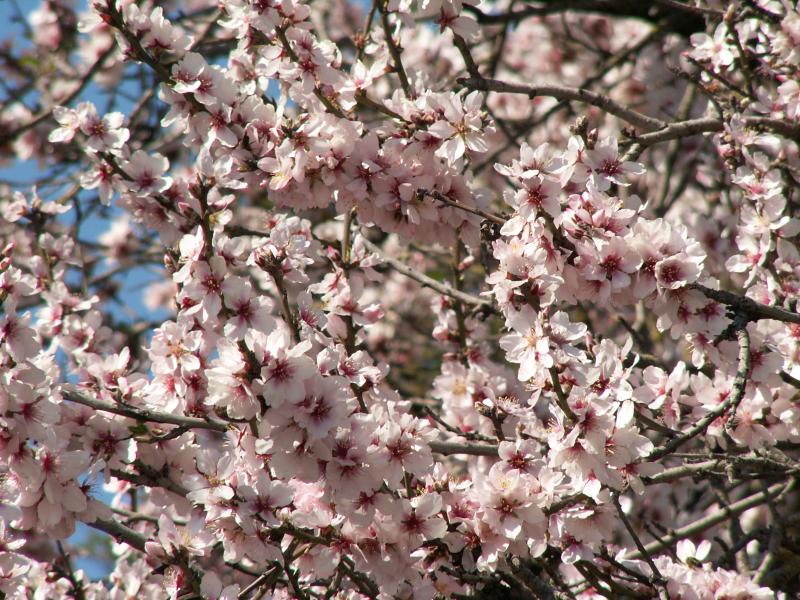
450	448
121	533
737	393
692	127
716	518
74	394
658	579
394	50
682	22
697	10
149	477
98	64
748	307
456	204
438	286
466	55
561	397
567	93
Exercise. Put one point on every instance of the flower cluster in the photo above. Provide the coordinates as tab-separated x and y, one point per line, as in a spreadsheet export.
418	331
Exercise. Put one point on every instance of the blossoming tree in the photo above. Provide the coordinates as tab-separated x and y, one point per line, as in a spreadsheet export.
455	299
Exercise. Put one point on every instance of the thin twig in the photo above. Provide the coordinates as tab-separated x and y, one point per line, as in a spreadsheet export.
737	393
658	579
257	582
98	64
78	593
716	518
327	102
742	304
74	394
561	92
394	51
438	286
450	448
456	204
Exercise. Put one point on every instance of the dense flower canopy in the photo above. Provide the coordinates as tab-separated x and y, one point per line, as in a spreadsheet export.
454	299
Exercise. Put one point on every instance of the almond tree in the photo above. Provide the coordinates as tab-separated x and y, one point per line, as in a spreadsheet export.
453	299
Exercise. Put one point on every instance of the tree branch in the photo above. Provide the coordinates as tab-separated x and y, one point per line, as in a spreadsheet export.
658	579
121	533
438	286
691	127
567	93
450	448
74	394
716	518
737	393
750	308
98	64
456	204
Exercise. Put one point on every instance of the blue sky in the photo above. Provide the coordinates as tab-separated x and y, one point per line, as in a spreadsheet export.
20	175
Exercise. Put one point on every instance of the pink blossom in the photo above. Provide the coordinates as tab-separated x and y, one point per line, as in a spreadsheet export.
102	133
146	173
16	338
328	303
286	369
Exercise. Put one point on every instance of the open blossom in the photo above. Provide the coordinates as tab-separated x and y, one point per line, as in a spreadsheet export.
405	447
204	293
229	385
212	125
209	486
417	520
189	74
160	34
105	133
249	311
16	338
172	538
355	466
508	504
326	402
561	332
69	121
146	173
49	491
675	272
175	347
286	370
263	498
607	166
611	265
716	48
532	162
537	194
529	345
462	129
